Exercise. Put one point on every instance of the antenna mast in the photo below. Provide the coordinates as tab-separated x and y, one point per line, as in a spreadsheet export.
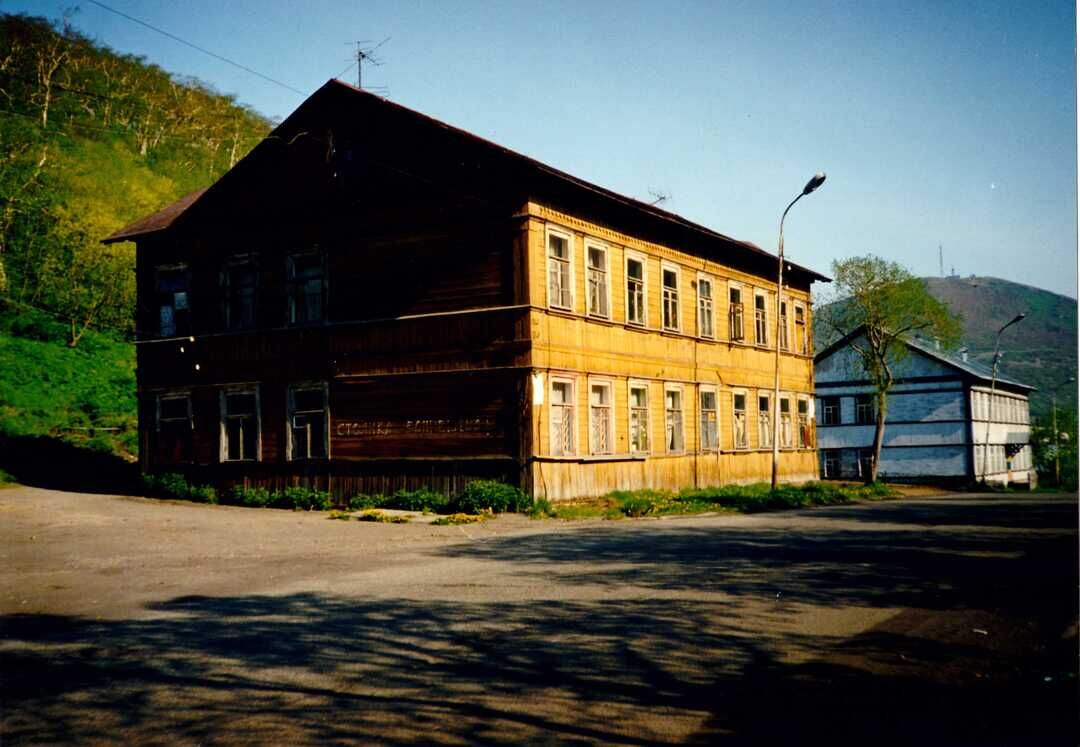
366	54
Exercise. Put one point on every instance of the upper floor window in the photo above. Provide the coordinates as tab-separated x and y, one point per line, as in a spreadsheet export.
639	417
635	289
306	288
802	344
738	418
562	417
710	422
239	280
560	277
601	422
830	411
764	421
706	327
670	298
309	421
735	314
761	329
864	409
673	419
783	325
599	290
172	291
240	437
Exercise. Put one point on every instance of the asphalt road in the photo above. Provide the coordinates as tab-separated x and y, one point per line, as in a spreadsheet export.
934	621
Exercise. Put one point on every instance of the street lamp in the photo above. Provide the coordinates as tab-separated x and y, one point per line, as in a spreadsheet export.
1054	425
993	383
816	181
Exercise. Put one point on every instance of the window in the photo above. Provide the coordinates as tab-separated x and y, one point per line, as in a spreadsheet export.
239	281
738	420
801	341
599	295
806	438
830	411
562	418
639	417
710	422
174	428
830	463
601	423
761	331
560	280
239	425
706	326
174	317
309	433
866	462
764	421
635	289
735	314
306	288
673	420
670	298
786	430
783	325
864	410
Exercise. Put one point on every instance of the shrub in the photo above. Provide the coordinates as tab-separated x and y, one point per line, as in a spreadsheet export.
257	497
418	500
203	494
362	501
168	485
491	495
541	508
304	499
6	478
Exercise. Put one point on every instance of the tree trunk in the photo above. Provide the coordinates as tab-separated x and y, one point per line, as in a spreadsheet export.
879	436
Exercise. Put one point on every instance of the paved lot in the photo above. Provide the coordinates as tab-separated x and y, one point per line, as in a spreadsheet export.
934	621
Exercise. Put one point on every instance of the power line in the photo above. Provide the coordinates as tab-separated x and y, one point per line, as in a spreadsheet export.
174	37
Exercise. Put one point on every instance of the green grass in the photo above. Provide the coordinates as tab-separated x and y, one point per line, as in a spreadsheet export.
6	480
83	395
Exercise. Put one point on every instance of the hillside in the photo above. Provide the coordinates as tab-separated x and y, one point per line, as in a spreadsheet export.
90	139
1041	350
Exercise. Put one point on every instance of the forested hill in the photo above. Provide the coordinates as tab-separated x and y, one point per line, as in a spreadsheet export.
91	139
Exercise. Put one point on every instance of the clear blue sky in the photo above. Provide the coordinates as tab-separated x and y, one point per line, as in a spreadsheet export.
949	123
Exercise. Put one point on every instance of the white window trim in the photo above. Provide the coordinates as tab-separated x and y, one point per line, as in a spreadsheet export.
809	421
666	266
630	254
568	235
732	285
302	386
746	415
793	420
631	385
771	431
223	438
591	243
611	434
716	399
552	381
682	411
712	301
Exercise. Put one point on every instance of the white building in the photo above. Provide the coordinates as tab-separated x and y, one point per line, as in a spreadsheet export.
939	422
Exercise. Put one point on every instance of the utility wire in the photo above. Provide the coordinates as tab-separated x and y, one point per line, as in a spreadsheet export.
174	37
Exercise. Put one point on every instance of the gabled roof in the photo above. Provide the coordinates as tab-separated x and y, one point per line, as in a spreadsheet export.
969	368
572	185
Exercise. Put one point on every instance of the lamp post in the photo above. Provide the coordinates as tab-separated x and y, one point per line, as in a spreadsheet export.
993	383
816	181
1054	425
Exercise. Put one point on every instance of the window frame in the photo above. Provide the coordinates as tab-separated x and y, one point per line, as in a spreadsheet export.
745	445
177	394
223	442
291	286
568	237
802	347
631	255
736	314
158	295
563	451
703	277
291	412
766	427
643	427
826	407
226	286
609	385
865	412
761	326
787	422
831	456
676	301
591	243
804	418
680	448
785	333
704	389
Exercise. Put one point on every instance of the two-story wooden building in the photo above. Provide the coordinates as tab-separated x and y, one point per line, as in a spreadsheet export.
373	299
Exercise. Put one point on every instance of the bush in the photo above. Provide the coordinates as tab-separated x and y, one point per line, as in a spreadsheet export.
491	495
167	485
541	508
203	494
305	499
252	497
362	501
418	500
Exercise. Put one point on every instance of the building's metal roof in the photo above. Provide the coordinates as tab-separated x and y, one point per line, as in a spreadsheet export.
155	222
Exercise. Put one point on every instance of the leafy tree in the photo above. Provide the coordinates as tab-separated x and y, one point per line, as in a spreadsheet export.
1050	452
878	306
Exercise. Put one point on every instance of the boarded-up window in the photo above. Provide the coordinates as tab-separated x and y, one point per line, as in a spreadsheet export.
673	420
635	290
308	422
639	418
560	286
601	422
173	296
598	281
562	418
306	284
710	432
239	426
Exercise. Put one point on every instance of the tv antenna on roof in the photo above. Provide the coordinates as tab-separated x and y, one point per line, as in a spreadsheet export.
659	196
366	54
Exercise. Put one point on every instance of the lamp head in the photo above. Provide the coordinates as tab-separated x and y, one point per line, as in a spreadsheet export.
816	181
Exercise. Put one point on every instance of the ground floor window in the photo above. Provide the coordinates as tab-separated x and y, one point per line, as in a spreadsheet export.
309	416
673	420
601	423
240	425
866	462
562	417
174	428
639	418
710	433
830	463
738	420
